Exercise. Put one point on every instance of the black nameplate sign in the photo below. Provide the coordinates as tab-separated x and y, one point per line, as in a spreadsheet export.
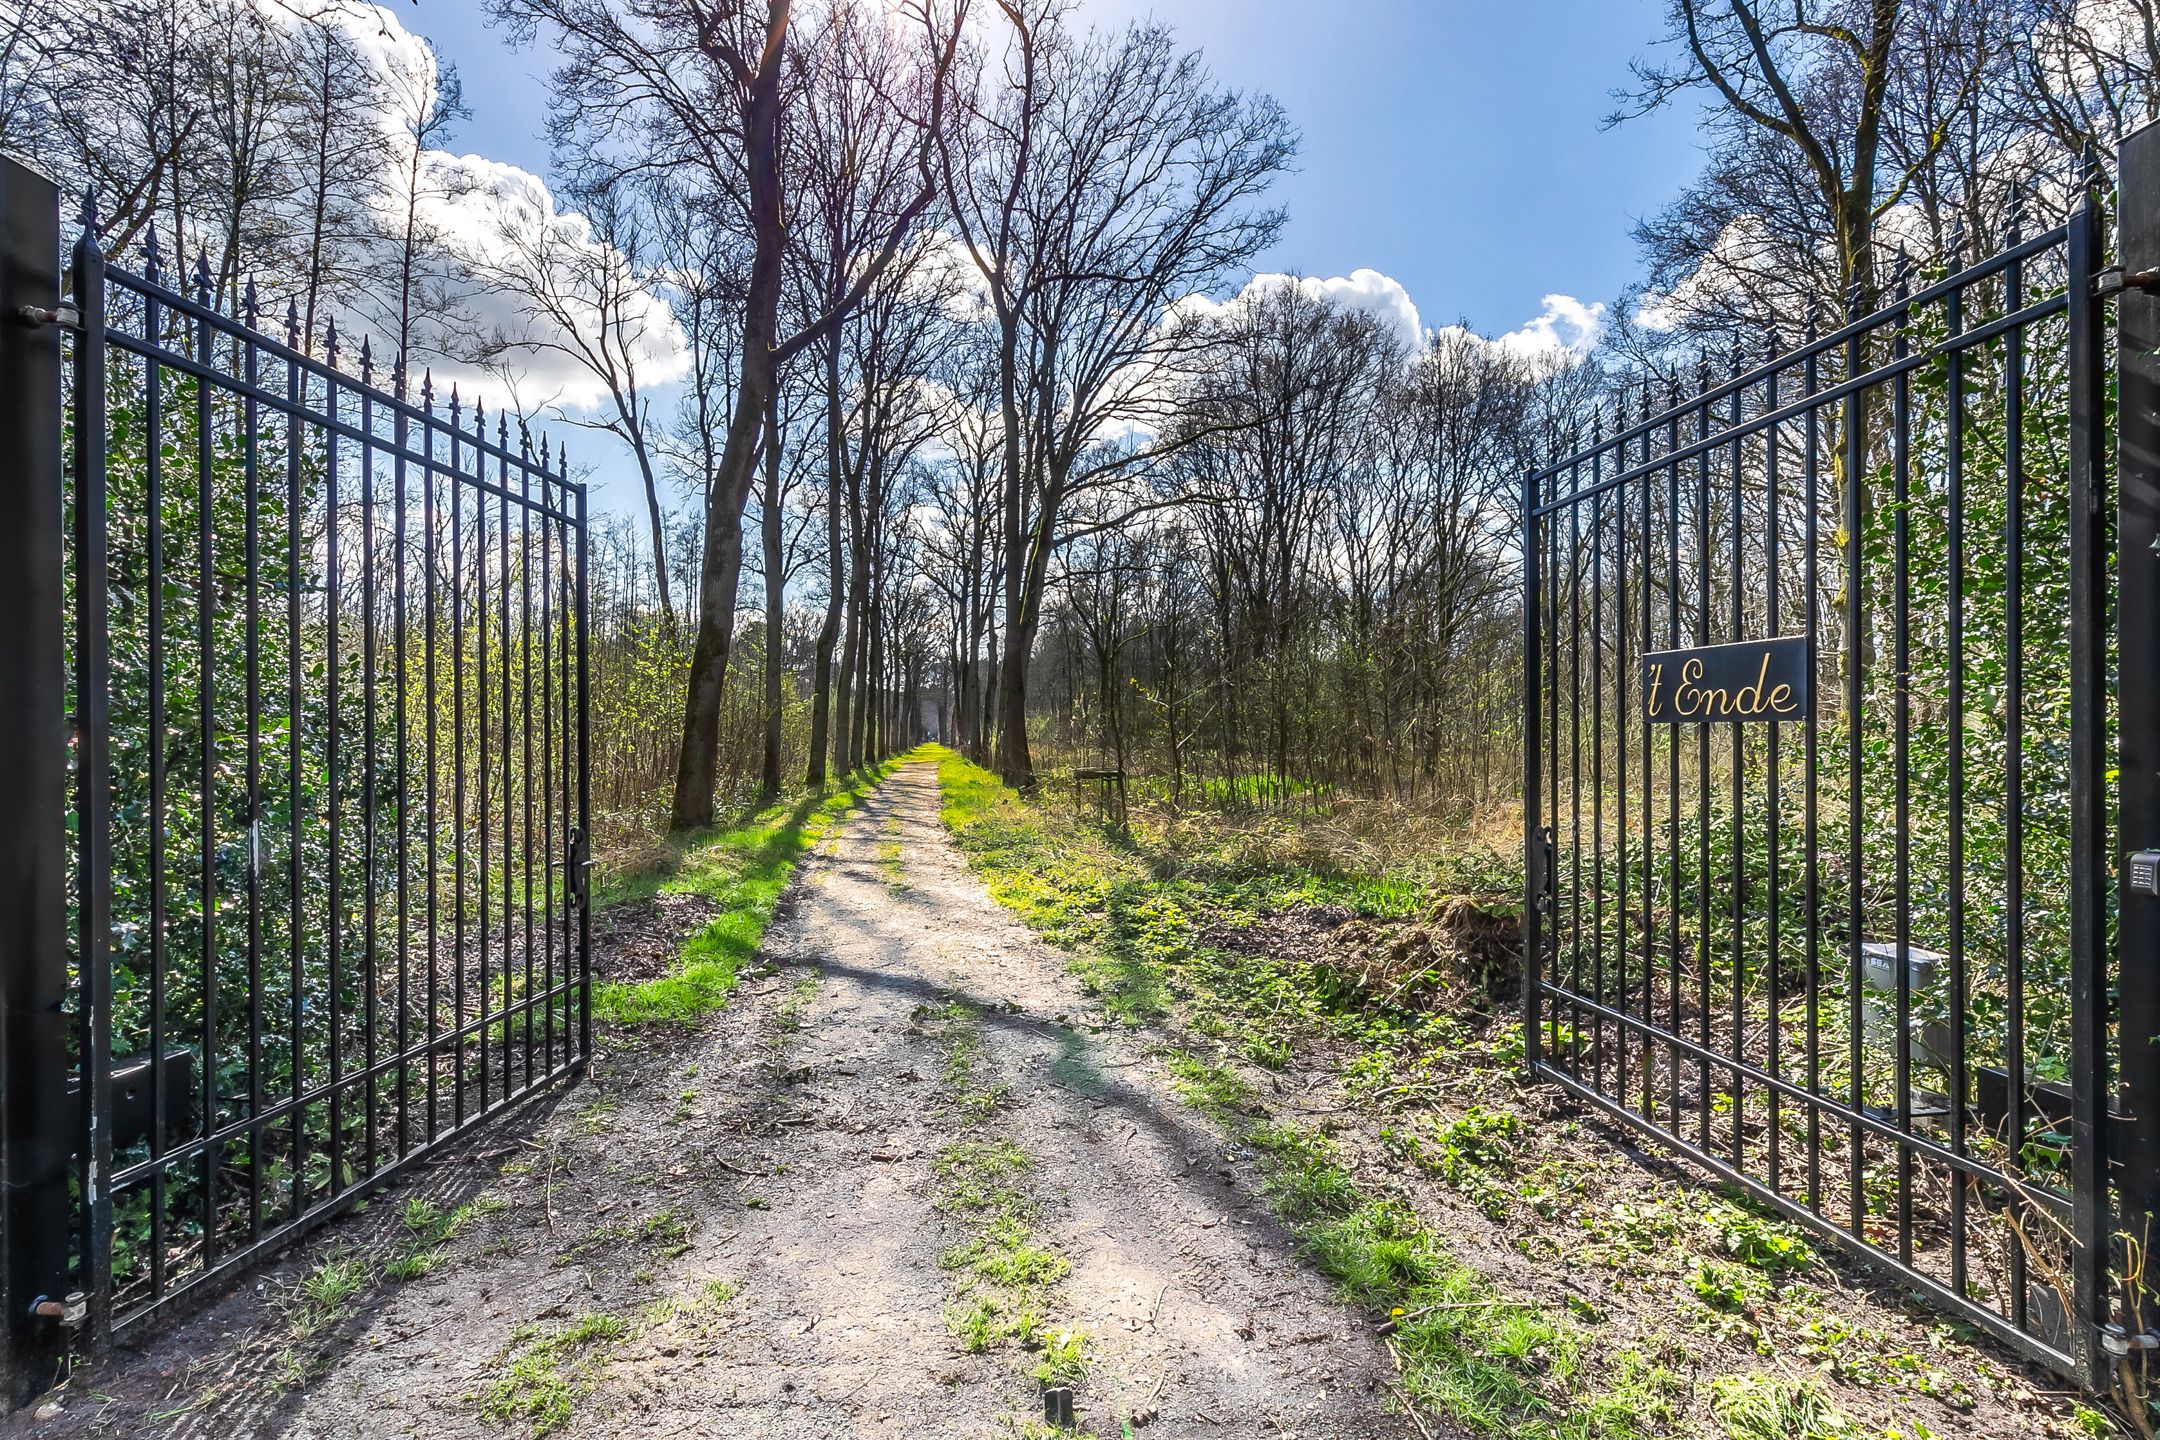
1751	680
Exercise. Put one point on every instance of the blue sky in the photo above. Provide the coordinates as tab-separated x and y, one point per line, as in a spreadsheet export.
1452	144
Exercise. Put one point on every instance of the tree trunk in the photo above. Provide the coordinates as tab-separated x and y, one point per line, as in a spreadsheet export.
1027	580
985	725
873	709
821	681
775	598
845	688
697	769
659	531
697	766
1014	766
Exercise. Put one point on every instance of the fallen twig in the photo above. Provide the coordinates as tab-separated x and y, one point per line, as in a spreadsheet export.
1411	1410
1394	1322
547	1190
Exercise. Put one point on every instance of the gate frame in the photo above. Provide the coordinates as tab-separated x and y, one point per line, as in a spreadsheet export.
2109	1150
56	1152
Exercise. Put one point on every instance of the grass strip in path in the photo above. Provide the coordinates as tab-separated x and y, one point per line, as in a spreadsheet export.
1003	1275
743	869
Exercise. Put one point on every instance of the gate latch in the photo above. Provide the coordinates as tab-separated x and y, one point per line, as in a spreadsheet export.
1542	857
577	865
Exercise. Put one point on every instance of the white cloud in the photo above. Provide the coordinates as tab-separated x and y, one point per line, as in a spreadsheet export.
1362	289
494	216
1369	291
1742	247
1560	334
949	270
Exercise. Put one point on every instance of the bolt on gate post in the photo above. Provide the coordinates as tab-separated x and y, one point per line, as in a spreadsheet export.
35	1130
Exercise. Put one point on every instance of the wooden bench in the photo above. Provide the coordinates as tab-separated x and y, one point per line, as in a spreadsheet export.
1109	782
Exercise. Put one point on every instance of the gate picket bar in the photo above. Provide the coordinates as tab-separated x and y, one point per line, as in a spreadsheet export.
1856	951
294	693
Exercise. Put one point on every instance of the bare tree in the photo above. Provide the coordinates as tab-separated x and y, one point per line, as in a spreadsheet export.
2088	73
1096	179
1817	75
594	299
424	276
966	545
859	158
708	81
337	82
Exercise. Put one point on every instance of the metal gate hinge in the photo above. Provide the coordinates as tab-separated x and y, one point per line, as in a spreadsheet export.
2114	280
64	315
2120	1342
68	1313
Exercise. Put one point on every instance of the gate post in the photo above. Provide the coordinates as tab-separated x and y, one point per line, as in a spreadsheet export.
1536	864
35	1113
2136	1153
93	778
2092	1213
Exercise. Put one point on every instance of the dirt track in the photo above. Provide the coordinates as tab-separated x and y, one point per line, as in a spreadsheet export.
788	1149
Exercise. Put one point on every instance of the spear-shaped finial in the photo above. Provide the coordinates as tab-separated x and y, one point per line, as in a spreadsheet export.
86	220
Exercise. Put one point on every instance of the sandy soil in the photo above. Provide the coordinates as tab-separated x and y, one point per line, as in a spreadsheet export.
786	1147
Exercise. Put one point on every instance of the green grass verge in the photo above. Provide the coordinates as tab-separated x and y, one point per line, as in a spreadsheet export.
742	869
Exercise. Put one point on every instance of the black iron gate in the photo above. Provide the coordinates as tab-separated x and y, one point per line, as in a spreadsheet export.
1829	680
293	700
